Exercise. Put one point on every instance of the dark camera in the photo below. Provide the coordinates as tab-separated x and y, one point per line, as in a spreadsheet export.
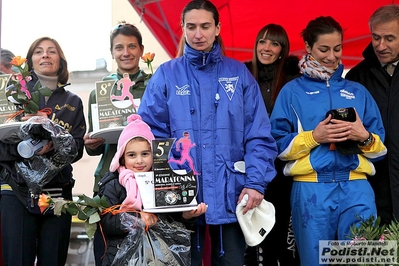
345	114
346	147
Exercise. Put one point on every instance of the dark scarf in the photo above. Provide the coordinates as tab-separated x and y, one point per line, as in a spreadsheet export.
266	72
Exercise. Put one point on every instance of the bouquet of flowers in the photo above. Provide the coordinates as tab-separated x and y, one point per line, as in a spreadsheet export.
18	92
85	208
371	229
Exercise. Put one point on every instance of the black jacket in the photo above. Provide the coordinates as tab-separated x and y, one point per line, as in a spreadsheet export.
112	228
67	111
267	75
385	91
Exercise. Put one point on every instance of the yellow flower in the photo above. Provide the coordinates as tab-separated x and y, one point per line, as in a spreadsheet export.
17	61
43	202
148	58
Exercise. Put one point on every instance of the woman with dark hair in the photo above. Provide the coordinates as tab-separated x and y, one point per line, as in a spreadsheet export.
313	115
271	64
127	48
29	235
218	102
272	67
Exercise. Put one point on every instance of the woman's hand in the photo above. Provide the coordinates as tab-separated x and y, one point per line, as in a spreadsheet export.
332	130
254	198
201	209
358	132
46	148
92	143
39	113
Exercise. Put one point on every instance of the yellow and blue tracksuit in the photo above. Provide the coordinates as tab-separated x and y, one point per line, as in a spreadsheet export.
330	190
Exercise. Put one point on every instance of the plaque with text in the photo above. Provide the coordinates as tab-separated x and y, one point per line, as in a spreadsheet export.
8	126
164	189
114	105
172	188
7	108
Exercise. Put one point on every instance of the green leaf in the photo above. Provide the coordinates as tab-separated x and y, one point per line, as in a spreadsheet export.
25	70
94	218
37	86
90	229
45	91
35	96
82	216
97	200
20	97
31	108
15	96
58	206
87	201
104	202
90	211
72	209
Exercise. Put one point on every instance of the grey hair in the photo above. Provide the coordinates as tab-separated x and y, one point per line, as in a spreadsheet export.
384	14
6	57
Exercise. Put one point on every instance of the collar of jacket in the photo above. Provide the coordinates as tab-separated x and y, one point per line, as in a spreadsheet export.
336	76
370	57
200	58
133	76
266	72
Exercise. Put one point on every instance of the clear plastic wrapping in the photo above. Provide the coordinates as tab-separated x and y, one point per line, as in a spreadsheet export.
38	170
165	243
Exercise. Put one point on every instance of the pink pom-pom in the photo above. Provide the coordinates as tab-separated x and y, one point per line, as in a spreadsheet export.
133	117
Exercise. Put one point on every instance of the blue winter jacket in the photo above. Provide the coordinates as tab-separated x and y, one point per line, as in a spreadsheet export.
301	105
216	100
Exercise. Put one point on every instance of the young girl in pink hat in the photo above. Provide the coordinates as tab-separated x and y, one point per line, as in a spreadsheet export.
119	186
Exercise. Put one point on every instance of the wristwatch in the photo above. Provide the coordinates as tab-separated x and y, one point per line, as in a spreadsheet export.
367	142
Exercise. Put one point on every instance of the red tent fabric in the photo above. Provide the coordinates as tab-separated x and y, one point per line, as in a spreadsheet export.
241	20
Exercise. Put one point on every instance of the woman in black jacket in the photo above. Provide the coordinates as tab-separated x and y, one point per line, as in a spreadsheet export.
272	67
27	234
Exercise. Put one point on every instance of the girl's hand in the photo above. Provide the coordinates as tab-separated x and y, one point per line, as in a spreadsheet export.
201	209
149	218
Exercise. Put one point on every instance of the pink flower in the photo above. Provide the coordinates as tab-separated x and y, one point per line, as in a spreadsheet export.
22	82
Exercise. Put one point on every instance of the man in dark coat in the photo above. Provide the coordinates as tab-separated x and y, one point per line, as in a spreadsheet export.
381	55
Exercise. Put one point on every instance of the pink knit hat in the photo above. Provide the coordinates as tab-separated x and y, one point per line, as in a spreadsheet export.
136	127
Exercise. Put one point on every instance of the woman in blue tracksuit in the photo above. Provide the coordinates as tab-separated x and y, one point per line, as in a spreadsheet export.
330	190
218	102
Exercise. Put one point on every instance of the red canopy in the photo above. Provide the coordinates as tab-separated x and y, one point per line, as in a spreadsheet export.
241	20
